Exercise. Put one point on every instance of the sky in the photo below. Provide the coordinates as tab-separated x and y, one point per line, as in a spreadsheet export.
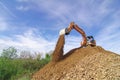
34	25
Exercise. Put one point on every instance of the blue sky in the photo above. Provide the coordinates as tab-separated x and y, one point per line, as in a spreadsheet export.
35	24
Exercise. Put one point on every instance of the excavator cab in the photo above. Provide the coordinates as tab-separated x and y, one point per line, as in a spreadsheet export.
91	41
66	31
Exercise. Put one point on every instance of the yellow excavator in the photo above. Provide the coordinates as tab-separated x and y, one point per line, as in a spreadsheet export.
86	40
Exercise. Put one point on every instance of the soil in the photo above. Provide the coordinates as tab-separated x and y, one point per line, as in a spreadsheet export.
89	63
58	52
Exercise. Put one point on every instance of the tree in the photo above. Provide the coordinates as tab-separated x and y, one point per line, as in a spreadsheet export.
26	55
10	53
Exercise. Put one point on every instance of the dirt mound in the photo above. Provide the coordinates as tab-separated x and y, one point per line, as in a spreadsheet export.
90	63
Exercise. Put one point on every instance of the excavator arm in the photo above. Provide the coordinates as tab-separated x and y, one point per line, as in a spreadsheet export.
78	29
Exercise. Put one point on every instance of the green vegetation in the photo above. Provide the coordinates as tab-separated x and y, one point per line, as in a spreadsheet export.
13	67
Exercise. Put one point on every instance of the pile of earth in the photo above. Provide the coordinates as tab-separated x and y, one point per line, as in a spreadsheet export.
89	63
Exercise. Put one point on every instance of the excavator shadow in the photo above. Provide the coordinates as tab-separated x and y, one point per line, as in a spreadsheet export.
70	53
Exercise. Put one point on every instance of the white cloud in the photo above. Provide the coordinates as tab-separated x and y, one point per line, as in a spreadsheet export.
23	8
3	26
28	41
72	42
108	36
22	0
88	12
5	10
24	5
83	11
32	42
5	16
54	9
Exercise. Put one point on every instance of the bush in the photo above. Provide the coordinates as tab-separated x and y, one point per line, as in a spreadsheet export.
7	69
11	69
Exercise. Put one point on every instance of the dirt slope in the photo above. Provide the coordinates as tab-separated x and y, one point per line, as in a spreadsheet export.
90	63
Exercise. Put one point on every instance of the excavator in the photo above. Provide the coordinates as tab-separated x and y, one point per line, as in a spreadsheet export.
86	40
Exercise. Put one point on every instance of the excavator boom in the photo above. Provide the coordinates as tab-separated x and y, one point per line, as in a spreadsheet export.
84	42
78	29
